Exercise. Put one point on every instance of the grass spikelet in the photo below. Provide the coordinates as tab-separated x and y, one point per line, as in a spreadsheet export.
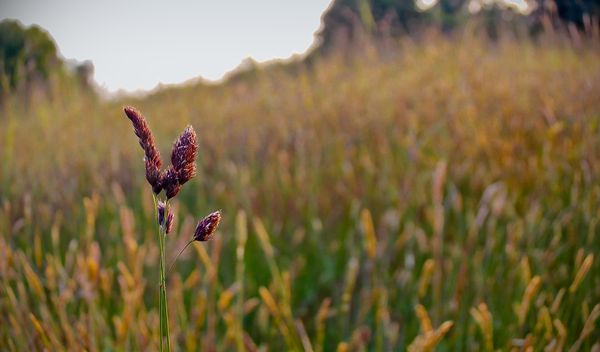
206	227
205	259
169	223
40	330
483	318
170	182
588	327
557	300
429	337
343	347
544	322
530	291
274	310
425	277
263	236
301	331
320	319
32	278
183	155
525	270
349	284
424	319
369	232
562	335
582	272
152	159
227	296
161	209
265	243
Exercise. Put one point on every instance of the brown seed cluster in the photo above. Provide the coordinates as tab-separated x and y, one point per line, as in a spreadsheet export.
151	153
161	208
183	162
181	170
206	227
183	156
165	220
171	182
169	223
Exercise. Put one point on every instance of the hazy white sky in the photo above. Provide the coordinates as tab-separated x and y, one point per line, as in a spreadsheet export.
138	44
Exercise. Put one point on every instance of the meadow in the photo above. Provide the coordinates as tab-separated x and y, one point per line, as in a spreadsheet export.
441	194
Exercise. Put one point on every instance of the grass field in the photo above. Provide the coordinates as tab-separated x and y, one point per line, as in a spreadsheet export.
443	193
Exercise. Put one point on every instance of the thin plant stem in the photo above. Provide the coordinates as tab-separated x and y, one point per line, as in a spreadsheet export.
162	295
160	283
163	287
175	260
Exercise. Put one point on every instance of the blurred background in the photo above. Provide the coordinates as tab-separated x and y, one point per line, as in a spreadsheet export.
393	175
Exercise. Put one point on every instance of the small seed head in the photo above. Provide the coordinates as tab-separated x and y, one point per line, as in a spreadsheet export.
151	154
170	222
183	155
170	182
206	227
161	208
153	176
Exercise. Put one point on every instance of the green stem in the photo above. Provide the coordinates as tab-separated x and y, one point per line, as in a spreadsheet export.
164	281
162	299
160	310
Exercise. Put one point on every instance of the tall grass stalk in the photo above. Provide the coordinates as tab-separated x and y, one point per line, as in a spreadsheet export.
181	170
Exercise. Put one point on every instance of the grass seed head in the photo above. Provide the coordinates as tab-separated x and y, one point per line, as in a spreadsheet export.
153	176
183	155
170	222
161	208
151	153
206	227
170	182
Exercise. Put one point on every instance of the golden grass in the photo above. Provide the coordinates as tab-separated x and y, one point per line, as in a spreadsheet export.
455	176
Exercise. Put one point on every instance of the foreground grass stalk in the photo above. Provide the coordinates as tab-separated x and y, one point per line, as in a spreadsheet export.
181	170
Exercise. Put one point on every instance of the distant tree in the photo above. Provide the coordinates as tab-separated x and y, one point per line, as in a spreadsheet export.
581	13
84	71
28	56
453	12
346	21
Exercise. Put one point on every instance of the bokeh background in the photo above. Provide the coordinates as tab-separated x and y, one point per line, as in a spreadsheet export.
393	175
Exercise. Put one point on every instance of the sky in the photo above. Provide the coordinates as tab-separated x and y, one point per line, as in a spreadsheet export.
135	45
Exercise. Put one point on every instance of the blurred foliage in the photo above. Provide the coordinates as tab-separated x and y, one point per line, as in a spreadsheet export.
29	63
26	55
573	11
347	21
443	192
